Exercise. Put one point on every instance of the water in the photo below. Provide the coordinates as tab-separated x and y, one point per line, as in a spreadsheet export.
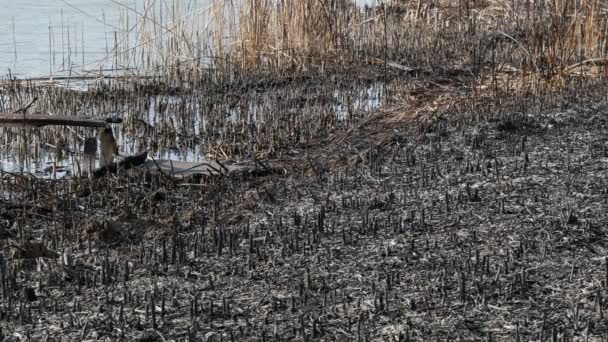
53	37
188	121
34	32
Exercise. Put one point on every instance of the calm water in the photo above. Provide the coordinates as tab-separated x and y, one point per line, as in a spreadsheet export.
42	37
30	28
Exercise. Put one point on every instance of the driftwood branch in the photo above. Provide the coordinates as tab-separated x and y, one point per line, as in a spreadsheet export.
181	170
42	119
125	164
24	109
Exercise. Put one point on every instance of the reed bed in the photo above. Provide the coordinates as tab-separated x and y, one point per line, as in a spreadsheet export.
544	42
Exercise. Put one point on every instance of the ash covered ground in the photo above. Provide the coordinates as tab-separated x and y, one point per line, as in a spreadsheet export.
484	220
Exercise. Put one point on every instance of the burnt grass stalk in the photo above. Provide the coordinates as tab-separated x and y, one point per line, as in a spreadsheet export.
416	200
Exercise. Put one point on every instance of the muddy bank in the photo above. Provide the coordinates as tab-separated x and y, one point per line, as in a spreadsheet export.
229	120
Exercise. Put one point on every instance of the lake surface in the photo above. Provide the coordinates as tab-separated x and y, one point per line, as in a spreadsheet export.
42	37
39	38
46	36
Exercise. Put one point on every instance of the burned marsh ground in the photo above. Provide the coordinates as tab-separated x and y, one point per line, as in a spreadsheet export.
414	173
482	221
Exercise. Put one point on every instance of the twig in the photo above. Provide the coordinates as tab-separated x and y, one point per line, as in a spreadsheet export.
222	165
215	169
84	328
265	295
313	167
24	109
262	164
159	334
161	171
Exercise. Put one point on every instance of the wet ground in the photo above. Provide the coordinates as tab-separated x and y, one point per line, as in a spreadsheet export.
481	219
182	124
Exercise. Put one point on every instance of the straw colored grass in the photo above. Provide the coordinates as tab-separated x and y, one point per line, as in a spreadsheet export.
529	43
288	33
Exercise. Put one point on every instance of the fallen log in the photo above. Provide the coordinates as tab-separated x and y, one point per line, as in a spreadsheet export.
125	164
43	119
180	170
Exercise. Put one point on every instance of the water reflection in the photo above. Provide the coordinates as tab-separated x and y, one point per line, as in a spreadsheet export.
180	127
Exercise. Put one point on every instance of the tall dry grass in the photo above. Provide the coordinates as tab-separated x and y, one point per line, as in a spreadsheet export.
542	41
293	33
560	38
242	33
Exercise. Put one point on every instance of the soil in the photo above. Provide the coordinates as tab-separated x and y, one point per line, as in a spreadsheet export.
441	220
